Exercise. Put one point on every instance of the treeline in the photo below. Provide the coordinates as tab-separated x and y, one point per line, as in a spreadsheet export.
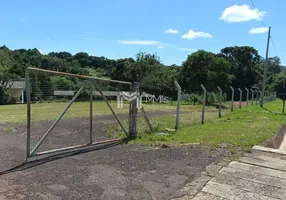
237	66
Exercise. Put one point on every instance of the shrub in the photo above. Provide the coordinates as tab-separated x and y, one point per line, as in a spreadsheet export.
13	100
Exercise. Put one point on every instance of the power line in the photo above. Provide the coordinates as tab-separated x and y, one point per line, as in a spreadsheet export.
257	12
274	47
263	24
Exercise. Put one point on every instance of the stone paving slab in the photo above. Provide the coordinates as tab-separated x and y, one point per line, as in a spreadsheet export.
260	174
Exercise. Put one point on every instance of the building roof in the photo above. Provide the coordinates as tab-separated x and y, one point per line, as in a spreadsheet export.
18	85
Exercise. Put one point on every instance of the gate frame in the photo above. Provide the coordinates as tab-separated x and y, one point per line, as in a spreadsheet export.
93	85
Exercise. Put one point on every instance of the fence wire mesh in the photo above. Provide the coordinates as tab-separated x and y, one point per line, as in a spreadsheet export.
72	110
76	110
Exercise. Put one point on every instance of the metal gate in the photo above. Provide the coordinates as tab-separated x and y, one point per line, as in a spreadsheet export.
55	95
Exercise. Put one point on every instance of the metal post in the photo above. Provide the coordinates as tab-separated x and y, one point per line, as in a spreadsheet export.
90	113
28	142
121	102
257	93
265	69
283	109
140	101
22	100
252	96
204	103
133	133
240	97
220	98
232	98
265	96
130	112
284	96
57	120
178	104
118	101
247	96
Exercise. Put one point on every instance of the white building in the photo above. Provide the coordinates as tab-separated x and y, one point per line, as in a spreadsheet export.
17	91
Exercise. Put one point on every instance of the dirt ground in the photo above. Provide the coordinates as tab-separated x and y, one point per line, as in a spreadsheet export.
109	171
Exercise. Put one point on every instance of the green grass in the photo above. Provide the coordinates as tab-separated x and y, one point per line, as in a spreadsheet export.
50	111
190	115
239	130
243	128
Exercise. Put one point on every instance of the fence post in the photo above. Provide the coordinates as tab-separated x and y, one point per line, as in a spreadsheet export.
232	98
118	101
178	104
265	96
257	93
28	142
252	96
130	113
90	113
220	98
247	96
240	97
204	103
133	133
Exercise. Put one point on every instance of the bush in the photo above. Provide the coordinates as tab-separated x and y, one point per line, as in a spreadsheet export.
212	97
196	98
3	96
13	100
192	98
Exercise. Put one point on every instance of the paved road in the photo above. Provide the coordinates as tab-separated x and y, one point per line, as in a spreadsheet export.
110	171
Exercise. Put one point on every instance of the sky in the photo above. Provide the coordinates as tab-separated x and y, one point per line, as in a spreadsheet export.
121	28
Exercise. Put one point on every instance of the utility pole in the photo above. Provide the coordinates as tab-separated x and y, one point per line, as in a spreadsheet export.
265	69
283	110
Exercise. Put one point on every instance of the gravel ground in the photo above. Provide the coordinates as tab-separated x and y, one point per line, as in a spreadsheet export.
109	171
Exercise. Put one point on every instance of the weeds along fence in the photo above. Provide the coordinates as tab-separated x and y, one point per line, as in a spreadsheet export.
66	111
196	104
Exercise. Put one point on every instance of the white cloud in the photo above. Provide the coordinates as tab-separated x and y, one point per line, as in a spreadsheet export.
186	49
92	39
161	47
193	35
258	30
140	42
172	31
242	13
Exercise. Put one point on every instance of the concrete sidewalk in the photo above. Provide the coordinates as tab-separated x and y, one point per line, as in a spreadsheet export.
260	174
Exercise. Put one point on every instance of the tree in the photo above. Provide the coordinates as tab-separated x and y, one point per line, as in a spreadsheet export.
274	68
82	58
135	70
205	68
62	83
245	65
6	76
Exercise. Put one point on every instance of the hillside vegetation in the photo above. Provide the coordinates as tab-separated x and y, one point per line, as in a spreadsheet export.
237	66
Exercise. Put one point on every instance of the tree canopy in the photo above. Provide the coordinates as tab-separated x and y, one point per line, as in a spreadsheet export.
205	68
237	66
